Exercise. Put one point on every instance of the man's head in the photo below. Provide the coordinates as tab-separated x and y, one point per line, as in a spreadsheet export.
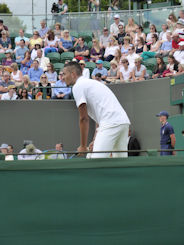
181	45
6	76
121	28
60	1
22	43
1	22
99	64
181	14
82	64
164	27
98	77
10	148
71	72
21	32
175	37
35	64
169	36
59	147
105	31
43	23
180	23
163	116
39	53
131	50
4	148
116	19
81	41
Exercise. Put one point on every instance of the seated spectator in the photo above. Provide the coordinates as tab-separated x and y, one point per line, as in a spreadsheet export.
154	48
5	42
96	52
132	56
163	33
20	51
51	74
34	51
20	38
125	71
85	71
99	69
81	51
6	62
61	91
117	57
33	153
139	33
58	153
98	77
160	68
2	27
111	49
113	73
121	35
16	75
4	151
42	60
57	31
166	46
35	39
175	42
179	54
5	82
35	72
104	38
1	72
44	29
141	46
126	46
51	43
10	151
24	95
139	71
11	94
131	27
179	28
171	22
180	70
172	67
114	30
45	83
26	63
26	85
153	31
66	42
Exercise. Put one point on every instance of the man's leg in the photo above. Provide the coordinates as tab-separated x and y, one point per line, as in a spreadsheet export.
165	153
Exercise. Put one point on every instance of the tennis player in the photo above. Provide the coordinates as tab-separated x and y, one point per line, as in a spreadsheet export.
96	100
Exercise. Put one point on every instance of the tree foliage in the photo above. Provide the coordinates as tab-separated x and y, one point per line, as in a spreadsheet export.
4	9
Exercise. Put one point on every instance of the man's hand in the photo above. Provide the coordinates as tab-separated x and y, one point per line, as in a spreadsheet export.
91	146
82	149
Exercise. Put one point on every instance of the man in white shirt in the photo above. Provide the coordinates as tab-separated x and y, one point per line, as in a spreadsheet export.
31	151
96	100
114	28
132	56
104	39
85	71
11	94
43	61
179	54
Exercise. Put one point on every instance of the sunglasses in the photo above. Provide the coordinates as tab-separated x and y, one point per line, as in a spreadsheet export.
44	77
60	74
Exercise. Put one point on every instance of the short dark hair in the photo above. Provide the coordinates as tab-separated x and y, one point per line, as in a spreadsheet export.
22	40
82	39
74	66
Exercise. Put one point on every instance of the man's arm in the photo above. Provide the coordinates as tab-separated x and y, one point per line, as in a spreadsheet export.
84	127
173	140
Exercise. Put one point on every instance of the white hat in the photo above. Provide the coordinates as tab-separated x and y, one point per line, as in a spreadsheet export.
116	16
181	43
4	146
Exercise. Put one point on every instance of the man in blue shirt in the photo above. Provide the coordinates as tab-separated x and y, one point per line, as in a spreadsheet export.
166	46
21	51
100	69
44	29
19	38
35	72
167	136
63	92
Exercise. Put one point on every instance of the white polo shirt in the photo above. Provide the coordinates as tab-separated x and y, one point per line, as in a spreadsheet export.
102	105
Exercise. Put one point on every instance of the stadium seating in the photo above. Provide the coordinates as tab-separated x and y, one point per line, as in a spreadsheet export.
106	64
54	57
58	67
91	66
66	56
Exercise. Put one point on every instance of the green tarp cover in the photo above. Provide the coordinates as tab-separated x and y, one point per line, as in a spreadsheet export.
134	201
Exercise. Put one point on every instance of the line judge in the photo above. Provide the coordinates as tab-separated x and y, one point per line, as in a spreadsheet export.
96	100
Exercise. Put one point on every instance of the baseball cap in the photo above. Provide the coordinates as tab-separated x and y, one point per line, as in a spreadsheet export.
116	16
4	146
8	51
181	43
163	113
99	62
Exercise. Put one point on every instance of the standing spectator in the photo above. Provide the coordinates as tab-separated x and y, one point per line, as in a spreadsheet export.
62	9
139	71
167	136
166	46
171	22
45	83
20	38
179	54
85	71
42	60
35	39
125	71
20	51
114	30
111	49
114	6
5	42
66	42
44	29
154	48
5	82
99	69
35	72
81	51
11	94
51	73
153	31
93	5
132	56
160	68
121	35
26	85
139	33
26	63
51	43
61	91
126	46
16	75
140	47
131	27
104	38
163	34
33	153
96	52
2	27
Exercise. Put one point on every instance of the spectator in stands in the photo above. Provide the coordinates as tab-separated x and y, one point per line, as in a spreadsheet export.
111	49
44	29
131	27
35	39
163	33
117	57
2	27
154	48
171	22
5	42
153	31
113	72
125	71
114	6
4	149
20	38
179	54
16	75
61	91
1	72
42	60
33	153
34	51
66	42
96	52
121	35
6	62
141	46
24	95
93	5
51	74
62	7
125	47
139	71
50	43
58	31
20	51
26	85
5	82
60	154
160	68
45	83
175	42
98	77
180	70
104	38
166	46
179	28
132	56
11	94
139	33
172	67
114	30
35	72
85	71
100	69
181	14
81	51
26	63
10	151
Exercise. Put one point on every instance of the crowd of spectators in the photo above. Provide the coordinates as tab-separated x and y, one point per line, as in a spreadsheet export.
120	54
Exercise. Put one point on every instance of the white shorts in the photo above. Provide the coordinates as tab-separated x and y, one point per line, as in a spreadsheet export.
111	139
